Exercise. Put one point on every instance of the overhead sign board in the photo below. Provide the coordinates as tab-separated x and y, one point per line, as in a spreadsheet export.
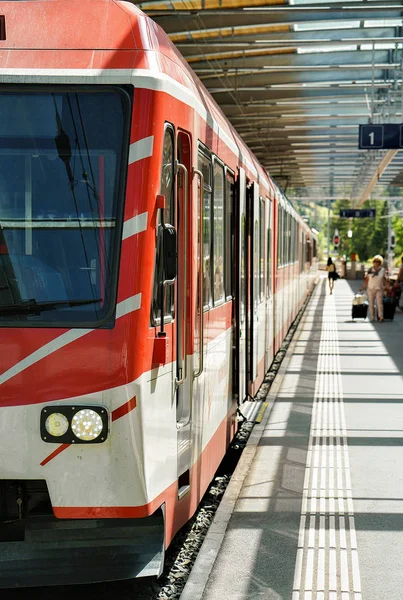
353	213
388	136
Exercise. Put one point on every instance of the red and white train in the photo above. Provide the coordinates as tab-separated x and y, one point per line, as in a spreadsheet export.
149	271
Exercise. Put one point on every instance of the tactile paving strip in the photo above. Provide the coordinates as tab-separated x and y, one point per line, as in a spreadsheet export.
327	565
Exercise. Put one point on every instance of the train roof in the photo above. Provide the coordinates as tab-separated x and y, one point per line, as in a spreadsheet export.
107	25
112	25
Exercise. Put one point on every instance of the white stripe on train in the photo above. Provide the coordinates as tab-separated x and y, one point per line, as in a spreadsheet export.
135	225
141	149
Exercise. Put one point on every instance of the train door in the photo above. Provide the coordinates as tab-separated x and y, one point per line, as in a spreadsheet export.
184	320
252	278
231	268
255	283
241	287
275	269
269	286
286	273
279	275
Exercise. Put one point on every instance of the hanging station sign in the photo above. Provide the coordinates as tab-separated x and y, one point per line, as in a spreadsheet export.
388	136
355	213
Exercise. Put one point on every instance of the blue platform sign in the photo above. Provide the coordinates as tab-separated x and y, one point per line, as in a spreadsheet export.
356	213
388	136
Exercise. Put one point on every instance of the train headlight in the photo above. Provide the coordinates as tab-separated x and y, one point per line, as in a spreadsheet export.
87	424
74	424
56	424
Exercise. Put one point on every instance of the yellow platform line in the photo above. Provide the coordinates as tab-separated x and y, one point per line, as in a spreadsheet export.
261	412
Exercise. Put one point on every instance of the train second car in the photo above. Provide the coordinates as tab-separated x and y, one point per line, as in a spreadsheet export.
149	270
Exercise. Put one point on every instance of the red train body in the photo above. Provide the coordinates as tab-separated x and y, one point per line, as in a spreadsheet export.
149	271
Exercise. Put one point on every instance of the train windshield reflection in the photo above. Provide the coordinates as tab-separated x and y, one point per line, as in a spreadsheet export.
60	181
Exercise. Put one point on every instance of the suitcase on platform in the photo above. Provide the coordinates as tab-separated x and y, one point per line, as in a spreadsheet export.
359	311
389	307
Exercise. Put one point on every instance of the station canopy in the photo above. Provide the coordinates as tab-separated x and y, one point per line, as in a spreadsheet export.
296	78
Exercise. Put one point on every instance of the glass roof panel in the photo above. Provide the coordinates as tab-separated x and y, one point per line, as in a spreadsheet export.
383	22
328	48
321	25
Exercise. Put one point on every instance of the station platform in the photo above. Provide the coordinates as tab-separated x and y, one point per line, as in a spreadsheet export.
314	508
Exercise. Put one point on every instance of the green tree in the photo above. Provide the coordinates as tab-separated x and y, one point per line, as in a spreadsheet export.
397	223
369	236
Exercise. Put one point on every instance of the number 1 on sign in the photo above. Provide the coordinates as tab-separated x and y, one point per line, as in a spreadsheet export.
372	138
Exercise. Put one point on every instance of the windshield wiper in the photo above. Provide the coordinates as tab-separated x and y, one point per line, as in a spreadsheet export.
32	307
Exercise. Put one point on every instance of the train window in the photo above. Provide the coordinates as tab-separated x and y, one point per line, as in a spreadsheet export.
168	175
279	235
261	249
242	268
256	261
289	238
218	233
303	253
61	207
290	234
309	250
300	250
205	168
283	236
268	241
163	296
283	241
229	233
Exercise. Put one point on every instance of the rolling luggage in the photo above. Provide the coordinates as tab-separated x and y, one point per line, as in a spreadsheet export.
360	306
359	311
389	307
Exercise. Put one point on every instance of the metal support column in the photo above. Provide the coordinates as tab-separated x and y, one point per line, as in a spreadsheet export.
328	213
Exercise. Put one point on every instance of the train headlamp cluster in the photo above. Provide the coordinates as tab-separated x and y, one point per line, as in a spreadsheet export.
74	424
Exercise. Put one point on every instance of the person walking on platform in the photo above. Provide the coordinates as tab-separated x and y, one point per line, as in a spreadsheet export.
374	284
331	273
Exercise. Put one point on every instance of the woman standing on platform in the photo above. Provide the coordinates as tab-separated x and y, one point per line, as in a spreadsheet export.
374	284
331	273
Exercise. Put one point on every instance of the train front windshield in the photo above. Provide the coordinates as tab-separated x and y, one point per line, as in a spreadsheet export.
62	159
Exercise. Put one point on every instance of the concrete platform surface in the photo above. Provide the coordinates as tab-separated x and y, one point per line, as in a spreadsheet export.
314	509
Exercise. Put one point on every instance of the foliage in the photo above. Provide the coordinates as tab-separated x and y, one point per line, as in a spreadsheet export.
397	223
369	236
